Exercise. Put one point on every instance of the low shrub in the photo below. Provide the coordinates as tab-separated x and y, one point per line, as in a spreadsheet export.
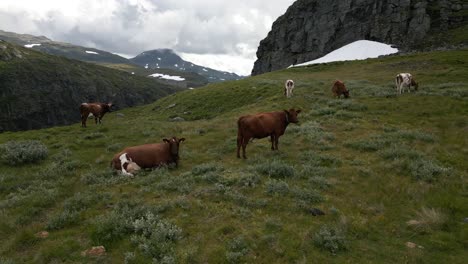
236	249
319	182
156	237
250	180
63	219
373	143
206	167
426	170
308	196
330	238
22	152
275	169
276	188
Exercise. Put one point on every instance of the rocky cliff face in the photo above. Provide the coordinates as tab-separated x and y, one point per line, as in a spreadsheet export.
312	28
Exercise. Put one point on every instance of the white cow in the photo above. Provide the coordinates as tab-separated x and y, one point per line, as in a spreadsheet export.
405	80
288	88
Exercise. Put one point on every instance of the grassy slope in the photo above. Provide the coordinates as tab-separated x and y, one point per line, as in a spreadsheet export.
370	197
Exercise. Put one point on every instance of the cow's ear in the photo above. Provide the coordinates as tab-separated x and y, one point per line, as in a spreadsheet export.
166	140
182	139
286	111
298	111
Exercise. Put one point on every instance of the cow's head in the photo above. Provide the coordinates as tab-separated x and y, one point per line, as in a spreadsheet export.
107	107
346	93
292	115
174	145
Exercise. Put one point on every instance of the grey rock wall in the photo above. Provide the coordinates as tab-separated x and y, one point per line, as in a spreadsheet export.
312	28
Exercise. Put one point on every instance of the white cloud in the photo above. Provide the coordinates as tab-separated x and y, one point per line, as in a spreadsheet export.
206	29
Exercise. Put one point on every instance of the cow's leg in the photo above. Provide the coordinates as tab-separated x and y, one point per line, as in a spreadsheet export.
239	144
245	140
84	117
276	142
272	139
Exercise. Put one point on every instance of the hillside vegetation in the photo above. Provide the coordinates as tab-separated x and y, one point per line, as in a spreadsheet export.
386	170
40	90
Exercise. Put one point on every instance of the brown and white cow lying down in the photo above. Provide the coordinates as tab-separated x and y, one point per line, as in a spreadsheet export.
262	125
147	156
288	88
339	89
403	80
96	109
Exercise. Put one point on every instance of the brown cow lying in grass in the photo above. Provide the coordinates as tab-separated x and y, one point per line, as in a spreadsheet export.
96	109
339	89
148	156
262	125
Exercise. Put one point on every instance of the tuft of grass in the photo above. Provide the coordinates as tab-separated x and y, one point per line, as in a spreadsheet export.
276	169
16	153
427	220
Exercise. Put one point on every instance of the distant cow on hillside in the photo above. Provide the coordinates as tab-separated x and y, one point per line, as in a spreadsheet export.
339	89
272	124
288	88
96	109
403	80
148	156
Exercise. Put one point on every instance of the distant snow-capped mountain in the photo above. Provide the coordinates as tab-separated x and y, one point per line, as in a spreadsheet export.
168	59
68	50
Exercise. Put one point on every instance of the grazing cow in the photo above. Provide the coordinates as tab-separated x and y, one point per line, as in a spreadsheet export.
339	89
262	125
403	80
149	155
96	109
288	88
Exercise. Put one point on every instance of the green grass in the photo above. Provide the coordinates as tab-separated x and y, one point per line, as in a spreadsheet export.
386	170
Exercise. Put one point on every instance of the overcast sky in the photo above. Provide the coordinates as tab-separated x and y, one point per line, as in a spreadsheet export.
220	34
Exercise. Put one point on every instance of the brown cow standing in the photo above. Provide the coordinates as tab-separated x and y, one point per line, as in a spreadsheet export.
262	125
96	109
339	89
150	155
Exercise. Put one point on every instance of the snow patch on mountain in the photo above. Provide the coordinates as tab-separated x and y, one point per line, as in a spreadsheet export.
358	50
31	45
167	77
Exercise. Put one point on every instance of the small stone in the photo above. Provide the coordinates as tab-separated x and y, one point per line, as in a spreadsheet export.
120	114
42	234
94	251
465	220
315	212
171	106
410	245
413	245
187	113
177	119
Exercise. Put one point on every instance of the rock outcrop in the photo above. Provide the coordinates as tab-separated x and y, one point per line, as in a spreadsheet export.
312	28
